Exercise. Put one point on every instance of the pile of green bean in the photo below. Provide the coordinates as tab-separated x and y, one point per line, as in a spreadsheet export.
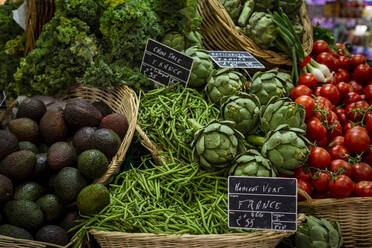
174	198
163	117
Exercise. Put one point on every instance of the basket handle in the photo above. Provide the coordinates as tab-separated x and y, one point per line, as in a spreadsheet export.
305	195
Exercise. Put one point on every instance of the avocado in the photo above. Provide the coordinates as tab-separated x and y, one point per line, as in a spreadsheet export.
26	214
27	145
51	206
68	184
53	127
52	234
29	191
43	148
8	143
31	108
41	169
92	199
115	122
69	220
15	232
18	165
81	139
103	108
107	141
79	113
93	164
61	154
24	129
6	189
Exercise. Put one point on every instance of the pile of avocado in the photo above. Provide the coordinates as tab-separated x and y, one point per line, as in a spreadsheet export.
49	158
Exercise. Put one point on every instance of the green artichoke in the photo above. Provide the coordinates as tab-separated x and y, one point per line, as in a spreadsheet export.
282	111
252	163
290	7
271	83
233	7
264	5
175	40
216	145
194	38
224	83
244	110
286	148
318	233
262	29
202	67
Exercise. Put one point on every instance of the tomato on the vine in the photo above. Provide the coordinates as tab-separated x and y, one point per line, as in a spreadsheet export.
330	92
319	158
342	187
321	195
362	73
341	115
342	75
367	91
321	46
338	152
339	140
300	90
355	111
308	79
303	173
352	97
344	62
358	88
357	59
368	123
367	156
308	103
320	181
327	59
334	130
315	129
305	186
361	172
357	140
341	167
363	189
323	142
323	103
316	91
344	89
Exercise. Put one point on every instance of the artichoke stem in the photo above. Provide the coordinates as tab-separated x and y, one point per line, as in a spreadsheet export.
194	124
256	140
246	13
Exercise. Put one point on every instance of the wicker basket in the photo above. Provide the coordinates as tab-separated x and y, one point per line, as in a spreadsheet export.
122	100
259	239
353	213
220	33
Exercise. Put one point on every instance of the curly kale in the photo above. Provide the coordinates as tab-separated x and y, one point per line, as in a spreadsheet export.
9	29
63	52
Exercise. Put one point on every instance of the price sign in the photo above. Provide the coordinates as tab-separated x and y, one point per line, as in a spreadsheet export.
165	65
263	203
229	59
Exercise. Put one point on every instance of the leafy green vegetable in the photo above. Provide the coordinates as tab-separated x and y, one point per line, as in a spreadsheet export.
9	29
324	34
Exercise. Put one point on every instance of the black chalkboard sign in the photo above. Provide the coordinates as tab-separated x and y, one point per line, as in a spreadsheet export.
230	59
263	203
2	100
165	65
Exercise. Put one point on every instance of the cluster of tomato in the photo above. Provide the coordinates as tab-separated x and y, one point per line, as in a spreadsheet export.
339	126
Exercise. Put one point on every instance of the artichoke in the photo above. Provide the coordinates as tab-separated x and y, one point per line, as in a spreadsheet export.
271	83
264	5
202	67
216	145
262	29
290	7
194	38
174	40
233	7
282	111
244	110
252	163
318	233
286	148
247	11
224	83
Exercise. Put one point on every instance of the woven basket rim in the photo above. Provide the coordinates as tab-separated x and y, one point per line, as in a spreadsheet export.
34	242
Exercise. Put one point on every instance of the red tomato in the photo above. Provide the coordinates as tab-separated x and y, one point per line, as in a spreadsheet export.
319	158
330	92
344	88
357	59
323	142
358	88
315	129
341	115
327	59
363	97
342	75
321	195
369	82
368	123
344	62
303	173
363	189
308	79
321	46
334	130
361	172
367	91
355	111
308	103
362	73
342	187
338	152
316	91
320	181
357	140
323	103
352	97
301	90
339	140
340	167
305	186
367	156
